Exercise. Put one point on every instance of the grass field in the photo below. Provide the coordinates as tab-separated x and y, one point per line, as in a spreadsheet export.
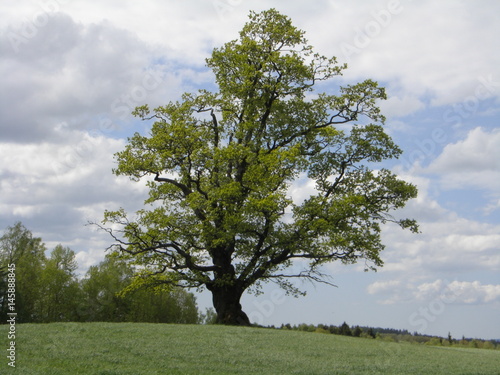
136	348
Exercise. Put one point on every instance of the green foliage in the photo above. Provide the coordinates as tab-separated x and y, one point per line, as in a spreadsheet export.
220	165
112	295
176	306
139	348
357	331
47	289
393	335
60	287
101	287
345	330
370	333
489	345
27	253
435	341
306	327
321	330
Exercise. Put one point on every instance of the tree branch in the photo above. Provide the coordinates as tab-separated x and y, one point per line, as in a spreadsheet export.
182	187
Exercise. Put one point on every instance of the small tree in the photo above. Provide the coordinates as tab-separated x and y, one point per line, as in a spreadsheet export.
221	165
101	286
345	330
371	333
357	331
27	253
61	296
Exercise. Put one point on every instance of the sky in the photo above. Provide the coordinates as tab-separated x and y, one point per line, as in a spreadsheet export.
73	71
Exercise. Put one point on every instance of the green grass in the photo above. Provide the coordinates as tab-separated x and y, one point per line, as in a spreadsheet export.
136	348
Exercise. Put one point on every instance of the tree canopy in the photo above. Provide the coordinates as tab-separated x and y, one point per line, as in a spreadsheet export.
220	165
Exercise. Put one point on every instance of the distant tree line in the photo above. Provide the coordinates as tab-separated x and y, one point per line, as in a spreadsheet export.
393	335
47	288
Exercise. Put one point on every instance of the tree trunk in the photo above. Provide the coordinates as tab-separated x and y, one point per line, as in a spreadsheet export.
226	301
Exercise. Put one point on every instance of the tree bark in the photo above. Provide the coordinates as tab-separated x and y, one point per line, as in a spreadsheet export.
226	300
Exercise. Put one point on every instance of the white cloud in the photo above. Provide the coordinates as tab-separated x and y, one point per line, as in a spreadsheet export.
390	292
302	189
446	246
458	292
395	42
426	289
56	189
69	72
455	292
397	107
471	163
448	243
494	205
383	286
479	152
425	58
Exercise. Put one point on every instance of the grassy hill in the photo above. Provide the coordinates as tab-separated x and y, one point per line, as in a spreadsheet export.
136	348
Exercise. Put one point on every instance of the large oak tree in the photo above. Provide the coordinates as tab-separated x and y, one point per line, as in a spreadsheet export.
220	165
